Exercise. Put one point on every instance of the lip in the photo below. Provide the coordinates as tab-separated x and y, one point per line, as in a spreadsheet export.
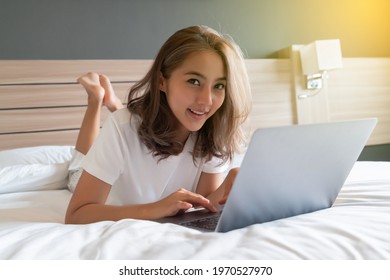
197	114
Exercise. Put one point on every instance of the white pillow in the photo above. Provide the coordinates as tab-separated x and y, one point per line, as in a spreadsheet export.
34	168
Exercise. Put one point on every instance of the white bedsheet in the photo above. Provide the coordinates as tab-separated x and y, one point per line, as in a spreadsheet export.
356	227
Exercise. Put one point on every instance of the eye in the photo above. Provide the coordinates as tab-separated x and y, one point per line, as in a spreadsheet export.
219	86
194	82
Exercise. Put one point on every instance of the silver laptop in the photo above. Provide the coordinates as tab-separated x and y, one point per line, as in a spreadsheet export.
286	171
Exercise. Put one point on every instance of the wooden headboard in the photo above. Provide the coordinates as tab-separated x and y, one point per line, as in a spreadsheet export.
42	104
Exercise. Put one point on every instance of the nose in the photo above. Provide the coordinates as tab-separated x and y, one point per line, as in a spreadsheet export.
205	96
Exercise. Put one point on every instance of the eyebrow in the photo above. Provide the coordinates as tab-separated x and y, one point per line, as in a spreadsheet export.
203	76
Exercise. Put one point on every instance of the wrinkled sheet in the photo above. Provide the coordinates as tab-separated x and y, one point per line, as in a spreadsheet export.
356	227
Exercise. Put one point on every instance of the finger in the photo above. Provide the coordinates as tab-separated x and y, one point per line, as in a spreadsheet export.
184	205
204	202
180	207
197	199
193	197
222	200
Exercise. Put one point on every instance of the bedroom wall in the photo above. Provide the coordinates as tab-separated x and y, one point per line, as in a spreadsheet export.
96	29
135	29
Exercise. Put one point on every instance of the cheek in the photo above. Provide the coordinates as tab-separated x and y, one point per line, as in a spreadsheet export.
177	100
218	101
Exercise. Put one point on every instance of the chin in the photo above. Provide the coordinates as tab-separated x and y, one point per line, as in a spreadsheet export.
194	128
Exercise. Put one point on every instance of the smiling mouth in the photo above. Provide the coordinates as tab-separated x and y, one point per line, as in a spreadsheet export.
198	113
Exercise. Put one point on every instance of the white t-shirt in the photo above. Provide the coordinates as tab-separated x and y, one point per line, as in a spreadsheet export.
119	158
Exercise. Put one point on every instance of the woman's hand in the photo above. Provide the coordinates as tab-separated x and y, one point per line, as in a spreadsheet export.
88	204
180	201
228	184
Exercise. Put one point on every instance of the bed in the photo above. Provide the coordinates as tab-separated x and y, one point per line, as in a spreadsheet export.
41	107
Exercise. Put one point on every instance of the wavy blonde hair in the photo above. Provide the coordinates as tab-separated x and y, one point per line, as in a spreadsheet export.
222	134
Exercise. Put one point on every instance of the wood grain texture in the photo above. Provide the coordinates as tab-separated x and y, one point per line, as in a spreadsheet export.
42	104
51	95
361	89
271	93
49	138
67	71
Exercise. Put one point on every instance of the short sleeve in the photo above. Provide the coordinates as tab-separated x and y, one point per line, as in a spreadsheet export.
215	165
105	159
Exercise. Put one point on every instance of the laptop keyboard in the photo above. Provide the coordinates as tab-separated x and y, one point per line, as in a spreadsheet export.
208	223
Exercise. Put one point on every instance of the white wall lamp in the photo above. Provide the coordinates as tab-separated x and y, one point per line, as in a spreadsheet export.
317	58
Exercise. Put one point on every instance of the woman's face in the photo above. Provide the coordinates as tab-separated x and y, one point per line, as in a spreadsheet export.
195	90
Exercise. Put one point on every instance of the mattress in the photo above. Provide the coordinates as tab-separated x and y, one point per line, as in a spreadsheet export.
34	197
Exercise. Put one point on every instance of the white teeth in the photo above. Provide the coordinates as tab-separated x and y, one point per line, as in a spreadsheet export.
197	112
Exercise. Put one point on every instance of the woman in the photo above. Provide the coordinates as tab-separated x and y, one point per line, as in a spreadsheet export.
167	151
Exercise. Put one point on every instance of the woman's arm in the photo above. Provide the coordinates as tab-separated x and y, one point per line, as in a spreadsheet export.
88	204
214	187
